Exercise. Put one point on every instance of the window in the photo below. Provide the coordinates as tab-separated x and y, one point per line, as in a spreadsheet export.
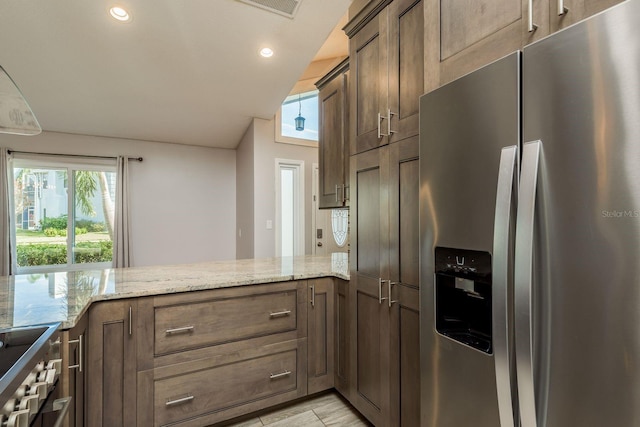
63	214
305	104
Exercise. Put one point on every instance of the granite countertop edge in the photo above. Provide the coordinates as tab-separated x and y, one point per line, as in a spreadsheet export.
71	322
150	281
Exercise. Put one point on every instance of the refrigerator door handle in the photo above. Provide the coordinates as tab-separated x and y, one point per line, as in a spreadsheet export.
501	238
524	282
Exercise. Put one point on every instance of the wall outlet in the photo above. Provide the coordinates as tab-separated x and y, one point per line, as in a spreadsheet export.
269	224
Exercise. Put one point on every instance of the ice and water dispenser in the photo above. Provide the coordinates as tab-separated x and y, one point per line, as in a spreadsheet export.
463	296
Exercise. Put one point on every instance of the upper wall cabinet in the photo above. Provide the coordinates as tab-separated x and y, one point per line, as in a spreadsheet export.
387	72
549	16
333	153
463	35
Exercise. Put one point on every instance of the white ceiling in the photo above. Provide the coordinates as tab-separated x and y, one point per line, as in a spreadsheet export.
182	71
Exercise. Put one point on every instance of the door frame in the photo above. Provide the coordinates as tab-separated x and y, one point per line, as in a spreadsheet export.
298	215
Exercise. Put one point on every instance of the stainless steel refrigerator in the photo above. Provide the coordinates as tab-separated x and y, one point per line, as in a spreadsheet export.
530	235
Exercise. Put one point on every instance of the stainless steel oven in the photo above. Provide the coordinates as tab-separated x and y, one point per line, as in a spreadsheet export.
30	365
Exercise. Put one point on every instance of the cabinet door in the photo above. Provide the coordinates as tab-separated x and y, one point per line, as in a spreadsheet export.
320	324
369	310
404	285
406	66
341	339
368	88
331	146
72	378
574	11
111	364
463	35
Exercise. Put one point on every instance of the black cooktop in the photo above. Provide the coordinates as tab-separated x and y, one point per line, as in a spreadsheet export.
14	344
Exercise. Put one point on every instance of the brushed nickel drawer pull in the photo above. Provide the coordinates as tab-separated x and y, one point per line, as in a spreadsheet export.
179	401
78	365
280	313
280	375
179	330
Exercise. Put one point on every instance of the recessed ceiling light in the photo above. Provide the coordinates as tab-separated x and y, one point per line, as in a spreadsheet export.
119	13
266	52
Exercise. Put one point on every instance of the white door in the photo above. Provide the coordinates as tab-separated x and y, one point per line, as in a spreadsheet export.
289	207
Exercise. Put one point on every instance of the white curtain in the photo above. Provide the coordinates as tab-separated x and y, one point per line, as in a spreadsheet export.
122	227
5	229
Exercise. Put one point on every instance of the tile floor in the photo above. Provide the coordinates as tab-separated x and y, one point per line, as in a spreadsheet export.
328	409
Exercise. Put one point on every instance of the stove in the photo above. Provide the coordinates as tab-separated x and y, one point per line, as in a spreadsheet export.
30	365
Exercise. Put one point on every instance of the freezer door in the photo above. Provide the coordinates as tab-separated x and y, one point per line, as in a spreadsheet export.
581	99
464	127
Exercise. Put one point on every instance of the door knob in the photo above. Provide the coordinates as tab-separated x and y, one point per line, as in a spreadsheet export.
319	244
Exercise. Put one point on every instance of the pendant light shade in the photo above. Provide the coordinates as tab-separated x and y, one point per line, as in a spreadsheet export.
16	116
299	120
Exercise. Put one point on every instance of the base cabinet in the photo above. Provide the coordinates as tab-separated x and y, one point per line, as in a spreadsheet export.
111	364
199	358
210	390
73	376
320	335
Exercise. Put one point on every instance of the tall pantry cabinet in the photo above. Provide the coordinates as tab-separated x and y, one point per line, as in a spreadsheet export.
387	79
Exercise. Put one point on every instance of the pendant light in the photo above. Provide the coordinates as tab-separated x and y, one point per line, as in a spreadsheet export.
299	119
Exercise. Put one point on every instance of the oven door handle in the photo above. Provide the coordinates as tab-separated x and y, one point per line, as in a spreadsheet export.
62	406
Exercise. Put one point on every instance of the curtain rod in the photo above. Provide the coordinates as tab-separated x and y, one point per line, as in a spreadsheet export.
139	159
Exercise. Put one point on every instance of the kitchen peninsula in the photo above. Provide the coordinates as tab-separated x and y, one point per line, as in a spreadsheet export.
189	344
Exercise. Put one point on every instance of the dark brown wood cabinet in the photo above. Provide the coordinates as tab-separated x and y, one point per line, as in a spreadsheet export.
386	50
404	283
264	344
333	149
405	67
550	16
370	352
387	47
368	88
384	293
320	335
111	364
251	339
461	36
72	378
369	331
341	337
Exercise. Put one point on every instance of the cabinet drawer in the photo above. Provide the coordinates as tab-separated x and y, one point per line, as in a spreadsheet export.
217	321
208	390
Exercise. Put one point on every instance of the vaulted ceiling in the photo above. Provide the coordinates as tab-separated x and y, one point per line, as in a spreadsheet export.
181	71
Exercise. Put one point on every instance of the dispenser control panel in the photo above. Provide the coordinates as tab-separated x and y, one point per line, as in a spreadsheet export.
463	296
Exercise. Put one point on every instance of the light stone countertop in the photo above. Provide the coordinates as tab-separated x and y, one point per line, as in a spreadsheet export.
30	299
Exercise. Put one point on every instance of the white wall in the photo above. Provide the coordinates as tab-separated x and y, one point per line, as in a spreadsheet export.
244	199
183	198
